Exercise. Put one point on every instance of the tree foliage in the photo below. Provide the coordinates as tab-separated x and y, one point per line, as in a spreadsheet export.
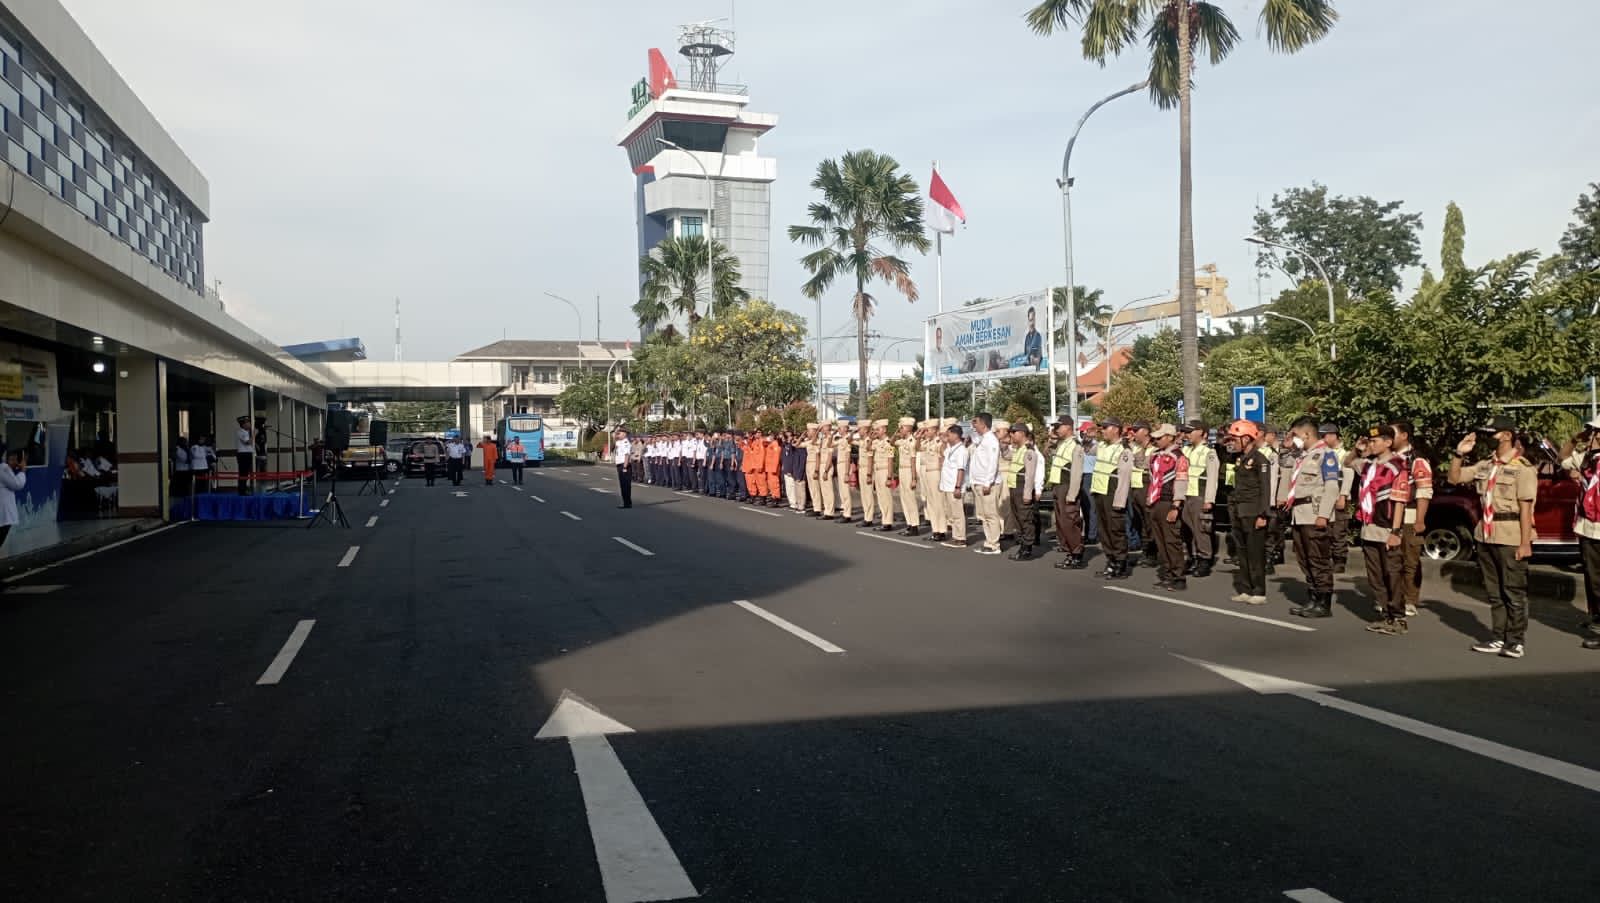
757	350
1580	245
675	277
1129	400
584	399
1363	244
866	202
1453	247
420	416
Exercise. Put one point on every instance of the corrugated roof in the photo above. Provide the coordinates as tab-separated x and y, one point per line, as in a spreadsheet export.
534	350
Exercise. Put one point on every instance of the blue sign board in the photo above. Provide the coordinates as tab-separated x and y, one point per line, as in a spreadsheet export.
1250	403
1181	418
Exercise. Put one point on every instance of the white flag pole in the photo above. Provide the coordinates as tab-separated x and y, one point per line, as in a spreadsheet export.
938	257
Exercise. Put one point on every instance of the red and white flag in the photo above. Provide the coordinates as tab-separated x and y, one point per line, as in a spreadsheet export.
945	212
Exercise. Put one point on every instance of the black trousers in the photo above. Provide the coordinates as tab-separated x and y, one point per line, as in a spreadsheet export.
625	484
1113	525
516	472
457	470
1505	580
1026	515
1165	539
1250	546
246	467
1589	550
1313	548
429	471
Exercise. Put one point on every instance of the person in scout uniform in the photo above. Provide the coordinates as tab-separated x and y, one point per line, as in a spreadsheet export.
1165	498
825	488
1064	480
882	472
843	450
813	470
930	459
1008	526
1380	509
1507	487
1272	448
1202	489
1113	469
1139	528
906	471
1419	472
1249	510
865	448
1308	490
1582	461
1024	481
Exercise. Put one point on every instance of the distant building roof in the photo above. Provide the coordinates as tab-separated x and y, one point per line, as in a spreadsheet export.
528	350
328	351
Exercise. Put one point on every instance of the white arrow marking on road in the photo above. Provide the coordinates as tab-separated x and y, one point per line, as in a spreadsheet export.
1510	755
759	511
285	657
1309	895
636	861
570	516
372	521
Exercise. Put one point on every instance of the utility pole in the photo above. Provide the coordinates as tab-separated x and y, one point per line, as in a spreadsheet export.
397	330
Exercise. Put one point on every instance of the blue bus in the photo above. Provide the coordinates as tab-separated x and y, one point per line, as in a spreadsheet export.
530	429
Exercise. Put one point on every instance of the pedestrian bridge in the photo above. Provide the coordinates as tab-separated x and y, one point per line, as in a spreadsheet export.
461	381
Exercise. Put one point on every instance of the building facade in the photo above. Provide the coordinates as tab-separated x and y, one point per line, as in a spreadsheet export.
694	149
538	371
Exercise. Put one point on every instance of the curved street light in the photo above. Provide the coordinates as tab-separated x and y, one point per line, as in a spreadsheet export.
1333	352
1111	340
1065	184
1277	316
885	353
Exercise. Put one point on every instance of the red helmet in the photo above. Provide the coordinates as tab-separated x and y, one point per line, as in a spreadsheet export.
1244	429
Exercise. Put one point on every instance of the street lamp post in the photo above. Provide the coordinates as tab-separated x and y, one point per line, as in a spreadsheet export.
885	353
1111	336
1333	351
608	390
1065	184
1277	316
711	203
579	314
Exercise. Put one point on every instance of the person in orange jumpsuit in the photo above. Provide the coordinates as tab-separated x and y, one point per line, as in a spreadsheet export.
774	471
491	453
755	466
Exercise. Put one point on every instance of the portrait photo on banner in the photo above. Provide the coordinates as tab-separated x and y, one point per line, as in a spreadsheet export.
996	340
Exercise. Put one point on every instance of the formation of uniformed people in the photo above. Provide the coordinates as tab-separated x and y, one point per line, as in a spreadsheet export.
1159	485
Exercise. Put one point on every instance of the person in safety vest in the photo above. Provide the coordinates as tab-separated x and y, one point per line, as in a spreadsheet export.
1113	469
1024	480
1064	481
1202	496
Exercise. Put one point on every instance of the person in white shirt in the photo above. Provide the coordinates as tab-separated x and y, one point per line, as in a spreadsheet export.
13	479
699	462
456	452
622	454
952	485
245	452
199	464
983	473
182	481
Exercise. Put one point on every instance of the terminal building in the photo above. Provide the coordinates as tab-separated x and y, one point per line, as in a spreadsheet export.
109	340
693	146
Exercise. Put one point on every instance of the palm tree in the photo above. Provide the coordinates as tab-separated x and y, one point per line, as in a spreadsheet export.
1091	314
1173	30
865	199
674	276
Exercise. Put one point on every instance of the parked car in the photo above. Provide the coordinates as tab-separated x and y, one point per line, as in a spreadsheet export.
1455	510
413	455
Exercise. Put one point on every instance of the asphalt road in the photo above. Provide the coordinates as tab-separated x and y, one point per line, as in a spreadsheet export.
937	726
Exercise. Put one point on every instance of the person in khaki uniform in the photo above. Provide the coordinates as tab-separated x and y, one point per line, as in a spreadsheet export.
1196	513
929	462
813	447
1139	444
1508	485
1008	522
842	451
825	464
882	471
907	472
865	447
1310	489
1064	481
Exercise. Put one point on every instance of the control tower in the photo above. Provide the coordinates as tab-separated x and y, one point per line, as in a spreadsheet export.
692	144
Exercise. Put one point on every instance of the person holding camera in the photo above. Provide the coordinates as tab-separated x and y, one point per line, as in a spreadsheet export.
1583	462
1507	485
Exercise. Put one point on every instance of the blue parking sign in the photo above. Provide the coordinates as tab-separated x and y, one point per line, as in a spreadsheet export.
1250	403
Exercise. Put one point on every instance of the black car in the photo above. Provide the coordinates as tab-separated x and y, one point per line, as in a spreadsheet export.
414	456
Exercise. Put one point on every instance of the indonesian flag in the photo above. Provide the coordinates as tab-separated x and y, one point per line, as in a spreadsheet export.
945	212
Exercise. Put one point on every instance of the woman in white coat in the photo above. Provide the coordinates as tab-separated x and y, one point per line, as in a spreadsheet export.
13	479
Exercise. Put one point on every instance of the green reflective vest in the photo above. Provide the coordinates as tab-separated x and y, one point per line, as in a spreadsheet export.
1061	461
1137	474
1014	466
1198	455
1106	459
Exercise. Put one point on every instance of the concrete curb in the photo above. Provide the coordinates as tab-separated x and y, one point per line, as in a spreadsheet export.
76	546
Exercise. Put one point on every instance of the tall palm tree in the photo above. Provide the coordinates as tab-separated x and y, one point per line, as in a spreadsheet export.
1173	30
675	276
1091	314
865	199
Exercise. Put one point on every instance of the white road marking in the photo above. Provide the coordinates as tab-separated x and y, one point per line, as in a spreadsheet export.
1267	684
391	492
569	515
291	648
372	521
636	861
1216	611
460	495
599	490
537	499
759	511
384	503
82	555
35	589
780	623
349	556
905	542
1309	895
640	549
684	492
517	488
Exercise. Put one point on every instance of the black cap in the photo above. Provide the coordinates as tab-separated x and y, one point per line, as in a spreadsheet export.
1109	421
1501	424
1328	429
1195	424
1022	428
1063	420
1140	425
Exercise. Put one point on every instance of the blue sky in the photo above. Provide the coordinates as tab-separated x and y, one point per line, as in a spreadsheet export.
361	150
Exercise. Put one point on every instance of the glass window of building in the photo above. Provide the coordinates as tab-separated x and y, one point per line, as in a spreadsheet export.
10	99
47	82
16	156
691	226
30	89
52	181
10	47
31	141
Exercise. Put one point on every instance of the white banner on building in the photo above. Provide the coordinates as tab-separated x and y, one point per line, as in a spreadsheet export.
998	340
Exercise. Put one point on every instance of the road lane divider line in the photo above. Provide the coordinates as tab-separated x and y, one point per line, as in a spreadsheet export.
35	589
285	657
384	503
759	511
517	488
795	629
82	555
1302	628
537	499
1309	895
640	549
372	521
919	546
600	490
349	556
570	516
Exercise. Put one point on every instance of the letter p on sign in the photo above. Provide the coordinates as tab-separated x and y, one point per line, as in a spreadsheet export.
1250	403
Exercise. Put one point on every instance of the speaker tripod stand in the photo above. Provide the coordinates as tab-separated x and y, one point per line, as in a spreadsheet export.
330	510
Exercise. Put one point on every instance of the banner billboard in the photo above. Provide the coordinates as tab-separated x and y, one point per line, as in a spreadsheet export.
999	340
